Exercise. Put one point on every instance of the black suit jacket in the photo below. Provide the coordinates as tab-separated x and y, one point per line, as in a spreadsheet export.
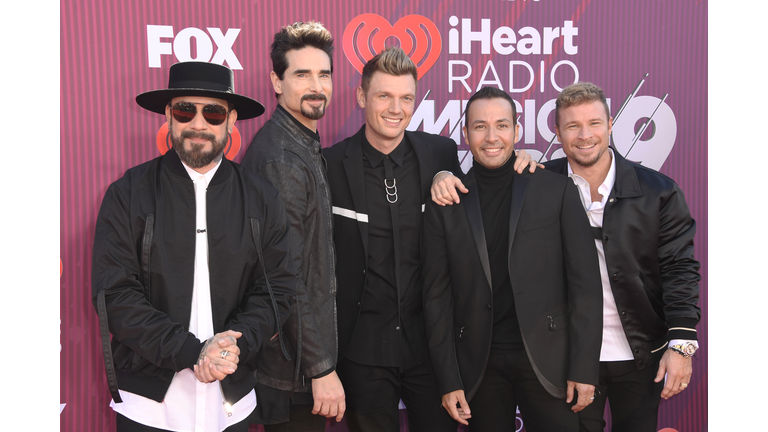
350	228
554	273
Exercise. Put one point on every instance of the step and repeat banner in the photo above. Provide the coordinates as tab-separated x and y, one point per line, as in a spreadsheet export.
650	57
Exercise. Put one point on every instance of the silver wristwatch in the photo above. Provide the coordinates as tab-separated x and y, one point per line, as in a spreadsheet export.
686	349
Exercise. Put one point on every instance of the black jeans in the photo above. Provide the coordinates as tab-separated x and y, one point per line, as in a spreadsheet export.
634	398
509	382
374	392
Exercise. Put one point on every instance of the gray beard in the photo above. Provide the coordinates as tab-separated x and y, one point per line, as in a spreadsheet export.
196	157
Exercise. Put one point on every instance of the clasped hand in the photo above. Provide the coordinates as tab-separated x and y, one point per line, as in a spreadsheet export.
218	358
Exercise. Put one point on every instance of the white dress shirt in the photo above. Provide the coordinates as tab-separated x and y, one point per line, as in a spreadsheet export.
190	405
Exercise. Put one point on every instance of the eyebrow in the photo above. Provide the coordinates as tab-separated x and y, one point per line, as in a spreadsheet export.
305	71
501	120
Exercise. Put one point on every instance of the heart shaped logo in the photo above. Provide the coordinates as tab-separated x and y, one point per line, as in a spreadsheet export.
366	35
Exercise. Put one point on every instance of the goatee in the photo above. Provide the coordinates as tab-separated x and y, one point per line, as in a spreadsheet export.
314	113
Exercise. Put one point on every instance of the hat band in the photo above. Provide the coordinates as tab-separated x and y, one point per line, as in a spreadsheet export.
202	85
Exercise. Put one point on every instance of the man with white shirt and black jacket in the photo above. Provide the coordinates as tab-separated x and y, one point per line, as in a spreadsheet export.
644	235
191	271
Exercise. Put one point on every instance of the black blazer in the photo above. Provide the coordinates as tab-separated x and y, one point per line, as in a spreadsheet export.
350	228
555	276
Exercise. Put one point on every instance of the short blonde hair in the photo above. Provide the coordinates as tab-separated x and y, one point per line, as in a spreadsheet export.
391	61
579	94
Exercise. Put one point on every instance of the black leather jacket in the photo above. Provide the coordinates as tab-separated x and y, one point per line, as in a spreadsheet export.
648	240
285	155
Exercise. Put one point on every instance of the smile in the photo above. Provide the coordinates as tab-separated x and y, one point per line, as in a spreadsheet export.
392	121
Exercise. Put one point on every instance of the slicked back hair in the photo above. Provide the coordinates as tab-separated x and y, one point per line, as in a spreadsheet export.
579	94
295	37
391	61
490	93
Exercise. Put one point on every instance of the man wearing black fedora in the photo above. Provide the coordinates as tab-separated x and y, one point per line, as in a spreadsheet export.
191	272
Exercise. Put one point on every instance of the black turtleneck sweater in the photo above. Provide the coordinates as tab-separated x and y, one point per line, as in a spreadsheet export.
495	192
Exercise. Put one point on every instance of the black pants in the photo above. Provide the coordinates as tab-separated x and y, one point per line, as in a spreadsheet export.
634	398
302	420
509	382
124	424
374	392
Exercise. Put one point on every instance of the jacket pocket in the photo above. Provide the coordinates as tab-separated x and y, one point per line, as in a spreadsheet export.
558	322
458	332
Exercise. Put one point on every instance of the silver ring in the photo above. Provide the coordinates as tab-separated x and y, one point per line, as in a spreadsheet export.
224	354
592	398
683	385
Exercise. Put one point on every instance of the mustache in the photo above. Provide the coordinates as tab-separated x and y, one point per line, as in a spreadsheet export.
201	135
314	96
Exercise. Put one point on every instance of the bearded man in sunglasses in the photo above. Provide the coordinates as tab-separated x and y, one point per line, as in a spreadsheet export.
191	272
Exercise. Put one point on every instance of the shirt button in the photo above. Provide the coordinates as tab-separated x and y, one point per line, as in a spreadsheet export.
358	304
397	328
605	239
624	313
615	276
363	271
612	200
488	306
637	350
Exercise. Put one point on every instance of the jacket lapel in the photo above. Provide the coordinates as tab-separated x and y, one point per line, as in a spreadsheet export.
519	187
353	166
471	203
426	170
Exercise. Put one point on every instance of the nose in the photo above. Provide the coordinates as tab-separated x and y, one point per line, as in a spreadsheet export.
198	122
314	84
585	132
491	136
394	106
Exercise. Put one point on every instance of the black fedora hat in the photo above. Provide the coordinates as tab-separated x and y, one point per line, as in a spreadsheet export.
200	79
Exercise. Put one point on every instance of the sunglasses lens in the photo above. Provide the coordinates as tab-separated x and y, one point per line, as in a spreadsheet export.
215	114
184	112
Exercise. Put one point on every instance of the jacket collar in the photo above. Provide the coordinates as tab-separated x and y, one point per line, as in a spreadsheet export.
173	164
626	185
300	135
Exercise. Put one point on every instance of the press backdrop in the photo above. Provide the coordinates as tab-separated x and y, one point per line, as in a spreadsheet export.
649	56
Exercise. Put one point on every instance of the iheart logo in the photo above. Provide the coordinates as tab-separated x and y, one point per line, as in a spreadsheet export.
230	150
366	35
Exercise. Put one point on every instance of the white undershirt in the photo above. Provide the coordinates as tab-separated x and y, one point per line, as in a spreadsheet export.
190	405
615	346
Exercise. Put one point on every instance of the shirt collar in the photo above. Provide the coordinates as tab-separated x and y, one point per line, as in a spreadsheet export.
605	188
194	175
375	157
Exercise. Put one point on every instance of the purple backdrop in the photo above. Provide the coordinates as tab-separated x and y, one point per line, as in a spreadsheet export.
111	51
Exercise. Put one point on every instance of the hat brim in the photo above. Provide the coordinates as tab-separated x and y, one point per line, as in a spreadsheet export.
157	100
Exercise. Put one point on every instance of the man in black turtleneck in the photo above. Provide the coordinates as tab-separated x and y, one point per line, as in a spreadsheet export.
512	294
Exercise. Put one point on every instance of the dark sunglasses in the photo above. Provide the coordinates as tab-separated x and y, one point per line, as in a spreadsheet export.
184	112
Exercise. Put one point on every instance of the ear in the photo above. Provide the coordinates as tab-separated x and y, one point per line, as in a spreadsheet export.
277	84
231	120
517	134
464	132
610	126
557	133
168	114
360	97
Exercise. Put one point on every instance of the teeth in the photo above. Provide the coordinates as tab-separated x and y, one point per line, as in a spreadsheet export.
393	121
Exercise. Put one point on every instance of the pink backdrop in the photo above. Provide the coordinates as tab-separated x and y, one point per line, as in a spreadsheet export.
111	51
